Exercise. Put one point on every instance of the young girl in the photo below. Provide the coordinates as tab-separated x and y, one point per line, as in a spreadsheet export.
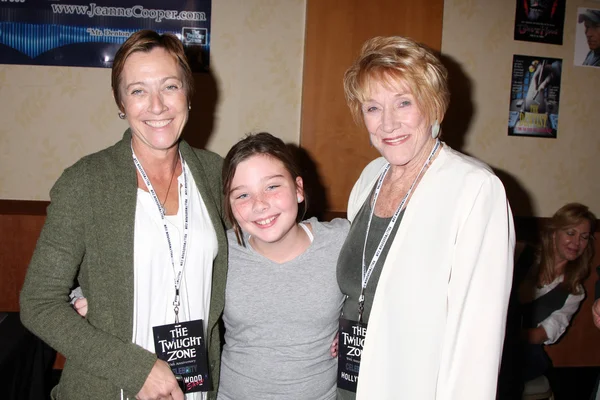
282	300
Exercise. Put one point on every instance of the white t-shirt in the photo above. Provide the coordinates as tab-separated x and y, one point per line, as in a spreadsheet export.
154	283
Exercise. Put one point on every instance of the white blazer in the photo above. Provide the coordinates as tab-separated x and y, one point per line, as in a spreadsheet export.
436	327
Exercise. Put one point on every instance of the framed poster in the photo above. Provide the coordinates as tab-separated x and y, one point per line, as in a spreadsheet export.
587	38
88	34
540	21
534	96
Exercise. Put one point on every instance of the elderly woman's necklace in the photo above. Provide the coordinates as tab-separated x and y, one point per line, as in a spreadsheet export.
366	272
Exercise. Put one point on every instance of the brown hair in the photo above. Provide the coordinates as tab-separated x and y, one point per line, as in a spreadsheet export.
576	271
145	41
262	143
397	59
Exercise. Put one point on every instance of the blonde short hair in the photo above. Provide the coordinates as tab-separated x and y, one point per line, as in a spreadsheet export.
393	60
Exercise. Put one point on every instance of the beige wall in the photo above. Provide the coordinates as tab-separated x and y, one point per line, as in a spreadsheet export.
52	116
540	174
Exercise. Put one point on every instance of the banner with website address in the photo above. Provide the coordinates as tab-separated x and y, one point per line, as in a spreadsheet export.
88	34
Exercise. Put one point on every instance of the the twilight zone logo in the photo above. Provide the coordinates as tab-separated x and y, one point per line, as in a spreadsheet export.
194	36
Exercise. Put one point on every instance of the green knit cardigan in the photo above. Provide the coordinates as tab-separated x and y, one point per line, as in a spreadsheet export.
88	236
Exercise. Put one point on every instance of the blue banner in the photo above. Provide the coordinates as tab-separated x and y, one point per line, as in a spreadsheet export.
85	34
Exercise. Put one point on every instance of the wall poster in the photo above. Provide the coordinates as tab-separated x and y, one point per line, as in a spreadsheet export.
540	21
534	96
88	34
587	37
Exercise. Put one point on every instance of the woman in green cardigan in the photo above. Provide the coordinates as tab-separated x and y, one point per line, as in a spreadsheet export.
139	226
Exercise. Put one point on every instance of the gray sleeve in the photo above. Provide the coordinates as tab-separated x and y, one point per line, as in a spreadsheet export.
75	294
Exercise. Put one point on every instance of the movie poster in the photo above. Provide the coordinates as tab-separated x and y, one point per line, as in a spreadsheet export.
540	21
534	96
587	38
88	34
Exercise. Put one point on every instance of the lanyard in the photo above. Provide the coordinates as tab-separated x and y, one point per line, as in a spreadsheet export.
177	269
367	275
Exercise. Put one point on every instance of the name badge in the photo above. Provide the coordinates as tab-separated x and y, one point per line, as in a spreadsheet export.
183	347
350	346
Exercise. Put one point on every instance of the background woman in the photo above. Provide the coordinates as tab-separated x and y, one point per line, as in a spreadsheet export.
552	288
428	260
120	222
282	299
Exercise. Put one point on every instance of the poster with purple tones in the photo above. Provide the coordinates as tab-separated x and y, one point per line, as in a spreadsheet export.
534	96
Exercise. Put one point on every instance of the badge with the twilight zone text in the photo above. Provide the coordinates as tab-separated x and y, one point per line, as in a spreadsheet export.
350	346
183	347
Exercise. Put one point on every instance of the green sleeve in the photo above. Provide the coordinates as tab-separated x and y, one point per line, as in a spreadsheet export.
213	165
45	309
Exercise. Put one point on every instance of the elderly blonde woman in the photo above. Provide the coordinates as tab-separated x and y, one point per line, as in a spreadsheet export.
427	265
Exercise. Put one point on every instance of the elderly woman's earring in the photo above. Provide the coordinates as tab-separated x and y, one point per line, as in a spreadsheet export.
189	107
435	129
122	115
